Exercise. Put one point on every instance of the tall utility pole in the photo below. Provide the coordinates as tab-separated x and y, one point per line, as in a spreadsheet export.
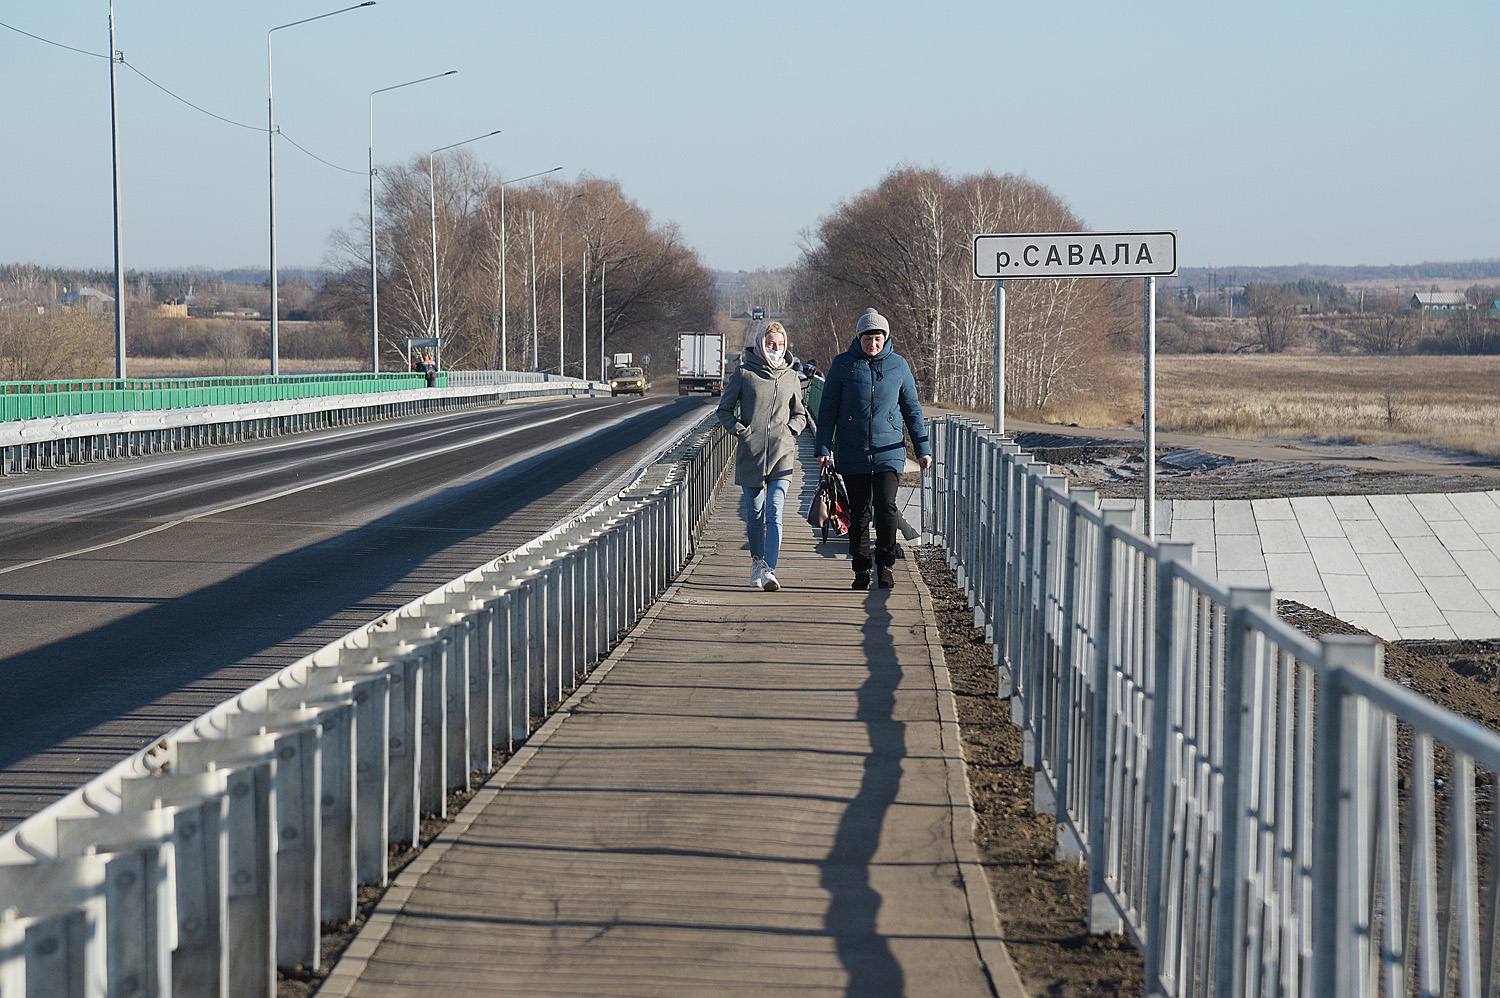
374	249
504	300
115	58
271	144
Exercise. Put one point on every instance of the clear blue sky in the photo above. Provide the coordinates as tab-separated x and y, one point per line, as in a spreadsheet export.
1265	132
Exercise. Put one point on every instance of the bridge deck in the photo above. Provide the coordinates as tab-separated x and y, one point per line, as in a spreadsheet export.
759	793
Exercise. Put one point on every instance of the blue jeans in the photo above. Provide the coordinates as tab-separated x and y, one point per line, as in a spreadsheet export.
763	519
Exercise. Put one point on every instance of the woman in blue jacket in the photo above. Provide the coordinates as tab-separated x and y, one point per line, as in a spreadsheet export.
868	395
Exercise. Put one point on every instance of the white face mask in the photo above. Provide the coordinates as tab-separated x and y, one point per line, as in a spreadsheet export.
773	357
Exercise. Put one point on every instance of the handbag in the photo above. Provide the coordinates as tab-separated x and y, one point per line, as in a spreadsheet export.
830	504
818	515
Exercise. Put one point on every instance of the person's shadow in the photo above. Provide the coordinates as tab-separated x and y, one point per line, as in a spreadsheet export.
845	872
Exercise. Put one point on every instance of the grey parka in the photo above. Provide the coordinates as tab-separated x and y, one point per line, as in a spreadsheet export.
763	408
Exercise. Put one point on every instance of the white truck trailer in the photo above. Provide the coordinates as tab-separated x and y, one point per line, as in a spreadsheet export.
700	363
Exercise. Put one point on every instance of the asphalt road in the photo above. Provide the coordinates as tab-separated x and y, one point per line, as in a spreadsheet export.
135	596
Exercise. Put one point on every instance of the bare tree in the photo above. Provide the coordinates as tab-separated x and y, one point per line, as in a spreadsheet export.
1276	316
660	289
59	341
903	247
1388	327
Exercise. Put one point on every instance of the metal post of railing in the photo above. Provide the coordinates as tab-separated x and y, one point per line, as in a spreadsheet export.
1067	848
367	686
984	610
572	664
405	743
615	589
222	830
526	638
963	506
456	631
1016	505
1163	674
139	909
334	723
1340	745
516	616
1243	673
477	615
634	564
1103	916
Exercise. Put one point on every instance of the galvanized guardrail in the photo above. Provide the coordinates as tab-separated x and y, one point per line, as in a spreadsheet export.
36	444
1262	813
204	862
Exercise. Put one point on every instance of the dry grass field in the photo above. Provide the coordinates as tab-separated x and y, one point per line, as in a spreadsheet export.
214	367
1451	403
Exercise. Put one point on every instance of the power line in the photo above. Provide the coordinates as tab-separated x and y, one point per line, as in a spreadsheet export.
195	107
320	159
96	55
178	97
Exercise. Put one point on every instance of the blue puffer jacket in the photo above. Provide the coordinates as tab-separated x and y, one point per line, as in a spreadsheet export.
865	402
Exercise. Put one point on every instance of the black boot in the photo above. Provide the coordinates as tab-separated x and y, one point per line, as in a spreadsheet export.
886	576
861	580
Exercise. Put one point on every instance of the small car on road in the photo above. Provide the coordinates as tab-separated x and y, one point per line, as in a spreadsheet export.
627	381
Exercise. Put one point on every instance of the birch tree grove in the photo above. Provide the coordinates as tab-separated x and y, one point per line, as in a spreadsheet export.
501	293
904	248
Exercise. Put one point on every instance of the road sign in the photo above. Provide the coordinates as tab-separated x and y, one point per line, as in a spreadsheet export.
1023	255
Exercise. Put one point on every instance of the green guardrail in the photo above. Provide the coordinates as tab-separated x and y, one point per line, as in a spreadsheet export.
36	399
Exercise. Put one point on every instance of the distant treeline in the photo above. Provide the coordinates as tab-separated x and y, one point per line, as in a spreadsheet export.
1468	270
22	274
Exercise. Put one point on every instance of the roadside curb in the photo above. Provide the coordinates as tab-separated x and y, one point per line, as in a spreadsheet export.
984	918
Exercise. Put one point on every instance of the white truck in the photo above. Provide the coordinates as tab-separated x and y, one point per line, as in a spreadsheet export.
700	363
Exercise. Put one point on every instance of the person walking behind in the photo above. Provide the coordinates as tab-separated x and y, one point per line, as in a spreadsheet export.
762	406
866	389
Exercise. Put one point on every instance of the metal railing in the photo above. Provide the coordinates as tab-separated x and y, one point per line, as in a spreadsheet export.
1262	813
39	399
469	379
60	441
204	862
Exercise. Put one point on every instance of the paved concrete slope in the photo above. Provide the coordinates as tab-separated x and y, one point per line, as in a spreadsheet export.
759	794
1400	566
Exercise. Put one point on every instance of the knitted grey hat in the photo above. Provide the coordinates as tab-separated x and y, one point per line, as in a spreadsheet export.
871	322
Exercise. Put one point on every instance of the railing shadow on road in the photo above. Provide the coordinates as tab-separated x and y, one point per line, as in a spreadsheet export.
120	667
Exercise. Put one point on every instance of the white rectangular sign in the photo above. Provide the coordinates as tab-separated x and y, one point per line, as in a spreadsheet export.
1075	254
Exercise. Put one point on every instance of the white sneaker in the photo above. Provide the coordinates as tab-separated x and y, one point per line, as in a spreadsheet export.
757	573
768	579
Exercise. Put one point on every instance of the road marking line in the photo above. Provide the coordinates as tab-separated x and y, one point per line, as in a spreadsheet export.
333	480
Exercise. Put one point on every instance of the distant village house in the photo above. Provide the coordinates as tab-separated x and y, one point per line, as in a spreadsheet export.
93	300
1437	302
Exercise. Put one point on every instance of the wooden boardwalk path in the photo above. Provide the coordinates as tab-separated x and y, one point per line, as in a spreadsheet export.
757	794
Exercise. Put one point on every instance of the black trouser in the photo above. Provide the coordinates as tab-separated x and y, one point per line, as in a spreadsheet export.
877	490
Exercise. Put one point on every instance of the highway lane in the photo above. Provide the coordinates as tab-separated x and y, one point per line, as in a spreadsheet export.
135	596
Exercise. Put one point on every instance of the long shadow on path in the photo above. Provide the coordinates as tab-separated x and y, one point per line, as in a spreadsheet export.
845	872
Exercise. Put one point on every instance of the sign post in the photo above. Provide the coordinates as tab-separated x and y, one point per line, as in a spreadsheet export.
1036	255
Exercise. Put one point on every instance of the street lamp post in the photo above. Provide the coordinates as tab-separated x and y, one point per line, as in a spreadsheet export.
432	214
271	132
584	336
531	225
115	57
504	300
374	264
582	366
604	269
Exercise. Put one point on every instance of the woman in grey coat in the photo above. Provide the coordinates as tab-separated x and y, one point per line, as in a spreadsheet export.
762	406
